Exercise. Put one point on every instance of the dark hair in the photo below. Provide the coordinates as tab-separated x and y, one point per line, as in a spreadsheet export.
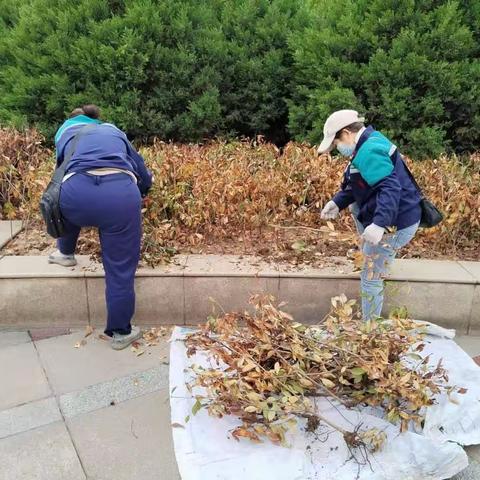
353	127
89	110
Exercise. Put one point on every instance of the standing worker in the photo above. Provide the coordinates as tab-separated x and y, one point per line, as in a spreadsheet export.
383	199
103	187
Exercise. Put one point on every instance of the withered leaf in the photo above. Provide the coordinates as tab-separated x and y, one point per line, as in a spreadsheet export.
88	330
328	383
243	432
81	343
196	407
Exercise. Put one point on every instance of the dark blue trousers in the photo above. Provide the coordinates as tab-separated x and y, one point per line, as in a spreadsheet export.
112	203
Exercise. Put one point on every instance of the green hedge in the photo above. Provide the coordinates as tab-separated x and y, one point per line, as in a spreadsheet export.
174	69
190	69
412	66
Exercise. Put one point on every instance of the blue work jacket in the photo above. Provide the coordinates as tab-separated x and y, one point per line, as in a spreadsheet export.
377	180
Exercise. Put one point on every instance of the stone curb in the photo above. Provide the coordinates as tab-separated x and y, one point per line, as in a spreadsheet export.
9	229
194	286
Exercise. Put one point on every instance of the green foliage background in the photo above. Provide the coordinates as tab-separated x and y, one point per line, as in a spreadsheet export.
189	69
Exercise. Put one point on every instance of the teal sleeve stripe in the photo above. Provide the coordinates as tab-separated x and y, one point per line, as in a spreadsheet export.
373	159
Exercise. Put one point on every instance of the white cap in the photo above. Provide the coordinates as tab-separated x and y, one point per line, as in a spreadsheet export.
335	122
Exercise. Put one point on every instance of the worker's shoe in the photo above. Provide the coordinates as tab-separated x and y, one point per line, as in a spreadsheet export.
61	259
119	341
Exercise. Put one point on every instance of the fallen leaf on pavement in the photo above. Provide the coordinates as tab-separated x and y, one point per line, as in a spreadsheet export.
177	425
136	350
88	330
153	335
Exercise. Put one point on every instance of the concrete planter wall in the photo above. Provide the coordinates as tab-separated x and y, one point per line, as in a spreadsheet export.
9	229
35	294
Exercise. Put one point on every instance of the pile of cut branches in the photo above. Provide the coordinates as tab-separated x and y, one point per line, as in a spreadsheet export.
268	369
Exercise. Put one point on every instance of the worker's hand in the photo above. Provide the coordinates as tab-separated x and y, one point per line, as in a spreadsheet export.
330	211
373	234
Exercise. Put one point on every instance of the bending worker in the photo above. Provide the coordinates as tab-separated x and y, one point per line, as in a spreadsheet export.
103	187
382	198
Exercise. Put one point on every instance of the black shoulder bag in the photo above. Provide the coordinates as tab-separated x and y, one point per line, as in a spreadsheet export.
431	215
50	201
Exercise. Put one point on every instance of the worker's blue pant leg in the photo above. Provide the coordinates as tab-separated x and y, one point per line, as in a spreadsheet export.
111	203
377	261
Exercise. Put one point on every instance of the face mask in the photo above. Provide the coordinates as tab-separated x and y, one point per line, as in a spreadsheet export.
346	150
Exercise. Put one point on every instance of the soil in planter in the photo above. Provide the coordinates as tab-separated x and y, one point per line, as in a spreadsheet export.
287	245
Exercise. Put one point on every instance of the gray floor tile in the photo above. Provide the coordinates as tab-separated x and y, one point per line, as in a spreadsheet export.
22	377
113	392
45	453
471	344
129	441
9	339
26	417
472	472
70	369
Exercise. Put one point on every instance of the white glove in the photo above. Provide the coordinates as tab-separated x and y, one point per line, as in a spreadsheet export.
330	211
373	234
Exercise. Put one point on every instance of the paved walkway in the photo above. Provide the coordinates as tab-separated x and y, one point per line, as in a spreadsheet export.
71	411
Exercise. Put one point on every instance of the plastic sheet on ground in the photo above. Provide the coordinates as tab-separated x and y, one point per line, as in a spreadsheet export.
205	449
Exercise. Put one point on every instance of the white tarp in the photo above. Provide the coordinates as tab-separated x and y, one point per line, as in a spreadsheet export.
205	449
